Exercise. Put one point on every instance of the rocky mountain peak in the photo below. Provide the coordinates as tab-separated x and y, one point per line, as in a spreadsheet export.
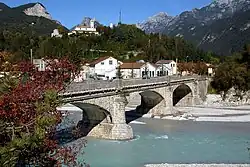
212	27
86	22
37	9
228	3
161	14
155	23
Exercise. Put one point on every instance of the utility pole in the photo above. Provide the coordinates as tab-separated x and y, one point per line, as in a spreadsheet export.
31	56
132	70
120	17
118	76
176	48
160	36
162	71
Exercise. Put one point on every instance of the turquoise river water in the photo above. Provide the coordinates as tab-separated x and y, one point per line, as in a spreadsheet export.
165	141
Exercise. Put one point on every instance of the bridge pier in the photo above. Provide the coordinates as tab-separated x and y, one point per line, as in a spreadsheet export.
169	100
120	130
165	107
196	95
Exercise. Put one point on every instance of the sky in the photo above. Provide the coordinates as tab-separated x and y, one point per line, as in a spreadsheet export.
72	12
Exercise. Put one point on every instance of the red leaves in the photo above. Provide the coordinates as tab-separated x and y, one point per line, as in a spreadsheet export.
19	106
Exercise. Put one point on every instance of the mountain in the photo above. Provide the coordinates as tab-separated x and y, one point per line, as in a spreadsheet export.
222	26
156	23
29	18
34	9
86	22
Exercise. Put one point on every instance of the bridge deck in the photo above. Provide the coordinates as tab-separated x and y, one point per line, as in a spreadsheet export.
111	86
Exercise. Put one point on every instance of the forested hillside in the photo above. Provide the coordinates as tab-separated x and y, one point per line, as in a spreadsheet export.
125	42
15	20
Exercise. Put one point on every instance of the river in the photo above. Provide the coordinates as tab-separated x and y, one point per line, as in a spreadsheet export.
169	141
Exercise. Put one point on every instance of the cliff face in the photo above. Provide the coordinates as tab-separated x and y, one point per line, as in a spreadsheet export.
38	10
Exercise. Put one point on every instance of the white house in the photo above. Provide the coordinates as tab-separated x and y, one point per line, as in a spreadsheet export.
56	33
138	70
131	70
169	64
40	64
210	69
104	67
149	70
84	73
143	70
85	29
162	70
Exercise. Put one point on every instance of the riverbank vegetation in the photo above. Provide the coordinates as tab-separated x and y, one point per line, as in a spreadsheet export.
28	114
233	73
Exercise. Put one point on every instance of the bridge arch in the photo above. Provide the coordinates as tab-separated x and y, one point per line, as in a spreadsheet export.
183	95
151	102
92	115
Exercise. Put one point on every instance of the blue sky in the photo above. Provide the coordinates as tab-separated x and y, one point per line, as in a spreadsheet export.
71	12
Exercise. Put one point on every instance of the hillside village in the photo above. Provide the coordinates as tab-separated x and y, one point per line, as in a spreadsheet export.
172	89
109	68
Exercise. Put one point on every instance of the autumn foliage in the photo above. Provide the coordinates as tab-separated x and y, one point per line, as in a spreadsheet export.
28	115
199	68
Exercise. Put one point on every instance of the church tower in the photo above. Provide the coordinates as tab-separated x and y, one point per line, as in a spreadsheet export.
92	23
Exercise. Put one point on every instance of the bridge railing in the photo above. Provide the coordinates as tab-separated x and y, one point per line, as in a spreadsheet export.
95	85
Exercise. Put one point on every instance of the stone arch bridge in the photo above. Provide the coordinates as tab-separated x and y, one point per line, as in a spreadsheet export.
109	99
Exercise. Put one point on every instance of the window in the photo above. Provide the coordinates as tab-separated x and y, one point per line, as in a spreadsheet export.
110	62
153	73
42	65
158	73
173	65
102	63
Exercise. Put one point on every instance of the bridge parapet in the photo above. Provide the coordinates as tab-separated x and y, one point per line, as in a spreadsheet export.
93	86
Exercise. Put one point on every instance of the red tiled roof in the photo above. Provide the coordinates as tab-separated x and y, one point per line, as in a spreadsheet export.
82	26
131	65
210	65
153	65
100	59
164	61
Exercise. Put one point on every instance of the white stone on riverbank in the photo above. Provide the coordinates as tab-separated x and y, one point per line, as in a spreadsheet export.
214	114
197	165
138	122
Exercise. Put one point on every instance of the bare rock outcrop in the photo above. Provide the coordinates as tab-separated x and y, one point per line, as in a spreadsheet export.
38	10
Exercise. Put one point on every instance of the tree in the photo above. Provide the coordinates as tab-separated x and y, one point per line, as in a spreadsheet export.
200	68
246	56
28	116
222	80
230	75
